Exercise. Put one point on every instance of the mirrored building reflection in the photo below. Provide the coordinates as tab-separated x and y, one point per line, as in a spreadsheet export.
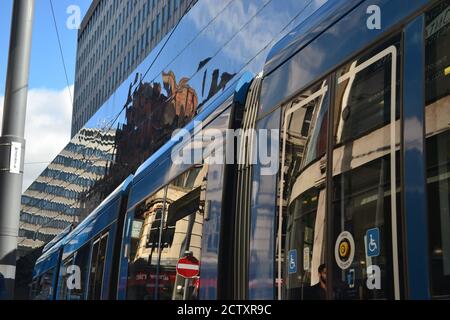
52	202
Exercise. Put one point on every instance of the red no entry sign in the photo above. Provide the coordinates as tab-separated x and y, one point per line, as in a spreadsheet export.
188	267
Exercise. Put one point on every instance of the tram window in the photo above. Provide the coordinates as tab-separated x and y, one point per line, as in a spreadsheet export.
302	236
437	113
304	140
98	260
182	234
64	292
144	248
174	214
80	259
43	286
366	189
437	50
365	95
153	235
361	203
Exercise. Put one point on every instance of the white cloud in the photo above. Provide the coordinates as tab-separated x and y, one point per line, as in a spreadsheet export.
47	129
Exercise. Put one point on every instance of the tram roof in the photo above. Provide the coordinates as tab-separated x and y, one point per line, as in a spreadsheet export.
45	261
327	15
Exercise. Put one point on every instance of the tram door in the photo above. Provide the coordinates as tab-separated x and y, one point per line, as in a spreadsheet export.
365	184
357	185
301	248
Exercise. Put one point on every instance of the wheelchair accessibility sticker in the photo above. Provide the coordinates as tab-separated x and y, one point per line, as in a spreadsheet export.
292	261
373	242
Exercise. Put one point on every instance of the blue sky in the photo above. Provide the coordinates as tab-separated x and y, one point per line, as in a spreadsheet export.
49	108
46	69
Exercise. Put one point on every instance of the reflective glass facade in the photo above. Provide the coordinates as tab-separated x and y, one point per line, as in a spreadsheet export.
114	38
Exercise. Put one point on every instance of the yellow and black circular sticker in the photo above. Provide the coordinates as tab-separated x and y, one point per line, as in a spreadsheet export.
344	251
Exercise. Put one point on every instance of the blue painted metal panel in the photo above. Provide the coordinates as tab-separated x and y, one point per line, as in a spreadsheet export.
308	30
123	263
241	90
109	261
414	166
97	221
101	221
45	263
263	225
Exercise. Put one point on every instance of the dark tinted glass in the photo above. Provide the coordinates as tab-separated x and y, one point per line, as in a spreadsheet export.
437	111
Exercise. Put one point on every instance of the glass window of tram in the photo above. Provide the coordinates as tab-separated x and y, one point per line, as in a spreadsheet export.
97	268
144	250
437	126
43	286
366	192
182	235
64	292
81	260
173	215
304	141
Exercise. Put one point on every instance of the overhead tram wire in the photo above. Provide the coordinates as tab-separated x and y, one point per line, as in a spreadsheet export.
119	113
250	61
61	51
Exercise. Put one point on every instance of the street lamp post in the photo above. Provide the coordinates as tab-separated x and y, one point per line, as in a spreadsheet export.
12	142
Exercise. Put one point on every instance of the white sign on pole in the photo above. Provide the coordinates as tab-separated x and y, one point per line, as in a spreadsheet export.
15	157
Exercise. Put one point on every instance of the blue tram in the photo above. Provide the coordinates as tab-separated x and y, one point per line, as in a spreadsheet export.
358	100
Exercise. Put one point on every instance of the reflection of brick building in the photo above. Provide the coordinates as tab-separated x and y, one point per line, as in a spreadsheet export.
151	118
182	96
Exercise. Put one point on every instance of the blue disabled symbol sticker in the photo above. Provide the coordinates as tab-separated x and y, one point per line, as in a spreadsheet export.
292	263
373	242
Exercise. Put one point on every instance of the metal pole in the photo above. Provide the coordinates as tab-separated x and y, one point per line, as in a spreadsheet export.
12	143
